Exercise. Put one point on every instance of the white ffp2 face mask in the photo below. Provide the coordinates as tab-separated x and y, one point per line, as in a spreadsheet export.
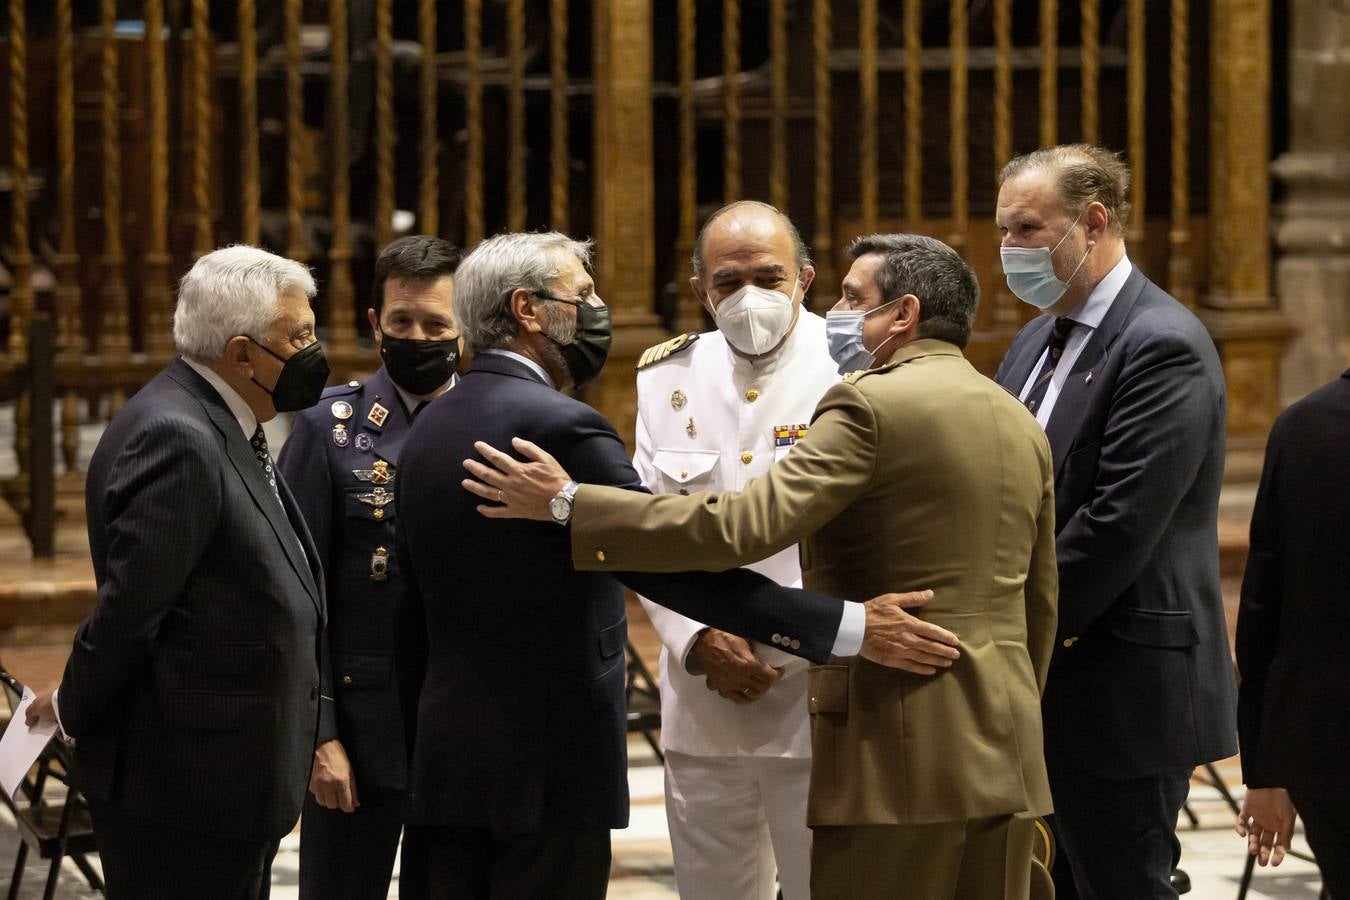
754	320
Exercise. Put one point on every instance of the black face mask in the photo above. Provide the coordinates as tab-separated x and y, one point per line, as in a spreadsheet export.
419	367
585	356
302	378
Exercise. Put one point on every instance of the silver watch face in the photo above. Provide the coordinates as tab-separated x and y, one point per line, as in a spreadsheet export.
560	508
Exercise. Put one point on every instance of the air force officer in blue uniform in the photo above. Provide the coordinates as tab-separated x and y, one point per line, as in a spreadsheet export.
342	462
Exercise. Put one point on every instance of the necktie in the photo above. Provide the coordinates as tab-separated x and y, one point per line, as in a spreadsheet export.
1059	336
259	443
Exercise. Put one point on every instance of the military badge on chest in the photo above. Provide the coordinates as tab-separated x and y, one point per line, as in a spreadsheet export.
380	473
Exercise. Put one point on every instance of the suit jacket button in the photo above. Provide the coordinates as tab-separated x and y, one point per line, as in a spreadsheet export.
599	556
346	679
777	639
796	644
1069	642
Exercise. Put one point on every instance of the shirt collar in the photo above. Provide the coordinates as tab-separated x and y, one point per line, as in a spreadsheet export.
410	403
242	414
524	360
1092	310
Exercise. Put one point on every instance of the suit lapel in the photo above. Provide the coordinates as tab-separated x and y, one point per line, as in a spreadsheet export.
241	456
1074	397
1027	350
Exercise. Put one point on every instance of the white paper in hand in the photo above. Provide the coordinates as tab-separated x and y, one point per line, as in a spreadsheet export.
21	745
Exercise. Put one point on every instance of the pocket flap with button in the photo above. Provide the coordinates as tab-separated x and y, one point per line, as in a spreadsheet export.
684	466
827	689
1172	629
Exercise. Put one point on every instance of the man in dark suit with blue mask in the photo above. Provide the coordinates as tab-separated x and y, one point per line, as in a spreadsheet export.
342	461
1128	387
516	685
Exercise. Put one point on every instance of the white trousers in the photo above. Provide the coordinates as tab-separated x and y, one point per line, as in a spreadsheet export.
734	821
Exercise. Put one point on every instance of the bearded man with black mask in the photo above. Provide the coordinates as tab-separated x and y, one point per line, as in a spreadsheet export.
342	460
514	661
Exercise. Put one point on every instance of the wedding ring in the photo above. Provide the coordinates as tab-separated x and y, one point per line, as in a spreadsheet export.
499	495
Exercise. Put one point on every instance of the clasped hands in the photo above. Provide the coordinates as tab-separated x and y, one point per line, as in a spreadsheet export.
522	490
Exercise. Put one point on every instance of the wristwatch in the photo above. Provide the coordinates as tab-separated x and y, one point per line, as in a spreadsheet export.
560	507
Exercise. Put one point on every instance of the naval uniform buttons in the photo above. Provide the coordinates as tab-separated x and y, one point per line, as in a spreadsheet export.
752	394
346	679
747	457
377	513
599	556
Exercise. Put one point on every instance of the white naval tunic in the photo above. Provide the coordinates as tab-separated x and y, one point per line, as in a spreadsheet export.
709	420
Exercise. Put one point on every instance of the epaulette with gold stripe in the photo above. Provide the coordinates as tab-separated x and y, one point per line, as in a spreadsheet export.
666	349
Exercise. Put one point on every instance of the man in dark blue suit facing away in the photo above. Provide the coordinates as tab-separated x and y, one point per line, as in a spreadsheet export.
515	679
1128	387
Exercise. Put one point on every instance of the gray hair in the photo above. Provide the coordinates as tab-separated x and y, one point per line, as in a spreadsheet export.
947	289
798	245
1083	174
497	268
229	292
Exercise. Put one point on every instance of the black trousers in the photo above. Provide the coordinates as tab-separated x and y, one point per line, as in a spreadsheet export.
453	863
1117	838
350	856
145	860
1326	825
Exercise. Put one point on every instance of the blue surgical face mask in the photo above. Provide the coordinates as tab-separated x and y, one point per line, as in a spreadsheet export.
843	331
1031	272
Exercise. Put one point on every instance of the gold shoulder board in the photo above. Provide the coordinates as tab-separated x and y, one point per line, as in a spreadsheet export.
666	349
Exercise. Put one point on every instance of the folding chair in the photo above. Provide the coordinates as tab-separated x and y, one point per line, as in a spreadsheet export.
54	830
644	701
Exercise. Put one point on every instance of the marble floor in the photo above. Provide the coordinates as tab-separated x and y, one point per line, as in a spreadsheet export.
1211	853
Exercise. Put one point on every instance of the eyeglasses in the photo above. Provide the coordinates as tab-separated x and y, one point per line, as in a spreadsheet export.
576	303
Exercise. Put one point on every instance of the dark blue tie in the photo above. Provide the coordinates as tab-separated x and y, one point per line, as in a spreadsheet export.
1059	336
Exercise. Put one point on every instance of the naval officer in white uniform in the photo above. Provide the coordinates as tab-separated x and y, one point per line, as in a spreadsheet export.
714	411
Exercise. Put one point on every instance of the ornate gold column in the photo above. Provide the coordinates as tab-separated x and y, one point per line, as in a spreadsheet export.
1238	308
625	255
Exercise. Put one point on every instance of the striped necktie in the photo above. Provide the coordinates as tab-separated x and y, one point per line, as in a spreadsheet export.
1059	336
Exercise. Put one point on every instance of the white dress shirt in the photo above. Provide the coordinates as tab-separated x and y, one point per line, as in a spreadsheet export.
1087	317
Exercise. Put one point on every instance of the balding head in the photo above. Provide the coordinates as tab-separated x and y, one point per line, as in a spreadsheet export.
750	217
751	250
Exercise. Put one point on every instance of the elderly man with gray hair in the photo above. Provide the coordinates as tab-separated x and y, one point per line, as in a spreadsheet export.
516	675
192	694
